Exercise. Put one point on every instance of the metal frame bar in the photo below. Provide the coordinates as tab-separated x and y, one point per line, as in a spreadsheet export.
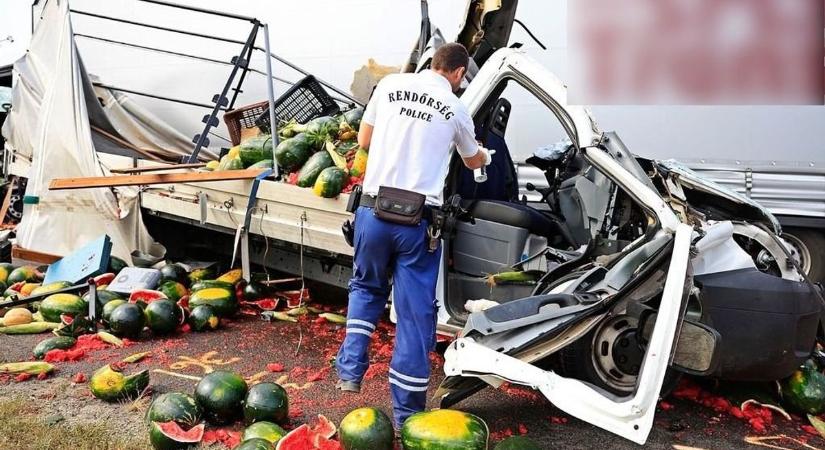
270	92
183	55
202	10
246	56
159	97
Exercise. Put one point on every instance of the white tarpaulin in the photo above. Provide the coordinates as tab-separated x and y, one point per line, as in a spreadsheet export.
49	124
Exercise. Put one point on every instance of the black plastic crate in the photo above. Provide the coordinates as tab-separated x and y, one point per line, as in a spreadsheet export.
304	101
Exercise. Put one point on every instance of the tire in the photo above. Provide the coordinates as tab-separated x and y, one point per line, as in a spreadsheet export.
578	360
809	244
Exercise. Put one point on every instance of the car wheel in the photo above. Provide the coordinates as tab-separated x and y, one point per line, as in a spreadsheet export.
610	357
809	250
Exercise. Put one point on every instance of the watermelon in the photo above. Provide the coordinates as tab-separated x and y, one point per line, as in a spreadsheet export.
116	264
53	306
254	290
104	279
173	290
330	182
223	301
444	429
24	273
292	153
127	320
175	406
221	394
269	431
206	284
145	296
163	316
804	390
233	164
5	270
52	343
517	443
304	438
353	117
170	436
263	164
51	287
233	276
255	444
203	318
74	326
27	288
173	272
200	274
109	384
109	307
320	130
366	429
255	149
359	163
313	167
266	402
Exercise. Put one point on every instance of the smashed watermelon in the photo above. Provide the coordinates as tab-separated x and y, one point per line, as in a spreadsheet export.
169	435
305	438
146	296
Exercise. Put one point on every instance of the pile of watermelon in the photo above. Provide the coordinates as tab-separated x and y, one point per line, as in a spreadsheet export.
322	154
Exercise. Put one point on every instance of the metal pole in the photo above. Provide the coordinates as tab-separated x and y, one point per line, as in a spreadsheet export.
169	52
247	57
304	72
157	27
201	10
270	92
159	97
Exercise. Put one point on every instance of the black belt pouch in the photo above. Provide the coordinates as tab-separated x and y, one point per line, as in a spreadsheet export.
399	206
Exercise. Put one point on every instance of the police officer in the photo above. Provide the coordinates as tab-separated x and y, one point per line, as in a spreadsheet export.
409	127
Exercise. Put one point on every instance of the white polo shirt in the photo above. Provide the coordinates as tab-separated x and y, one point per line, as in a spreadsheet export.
416	119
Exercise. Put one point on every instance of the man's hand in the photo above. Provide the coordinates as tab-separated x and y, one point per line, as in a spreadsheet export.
482	158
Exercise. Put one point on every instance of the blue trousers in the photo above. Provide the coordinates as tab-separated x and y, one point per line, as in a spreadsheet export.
384	249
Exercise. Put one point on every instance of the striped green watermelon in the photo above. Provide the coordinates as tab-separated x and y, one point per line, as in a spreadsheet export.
175	406
366	429
221	394
444	429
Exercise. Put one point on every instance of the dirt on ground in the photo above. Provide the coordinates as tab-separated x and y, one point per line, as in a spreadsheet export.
299	356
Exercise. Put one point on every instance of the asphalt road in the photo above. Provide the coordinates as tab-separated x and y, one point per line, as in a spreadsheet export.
298	356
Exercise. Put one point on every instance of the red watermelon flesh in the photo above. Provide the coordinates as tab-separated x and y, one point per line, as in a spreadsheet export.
305	438
324	427
178	434
146	296
104	279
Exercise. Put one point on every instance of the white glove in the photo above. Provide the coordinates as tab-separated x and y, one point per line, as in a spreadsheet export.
488	155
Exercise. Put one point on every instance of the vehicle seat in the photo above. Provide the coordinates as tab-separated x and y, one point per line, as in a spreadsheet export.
515	215
502	182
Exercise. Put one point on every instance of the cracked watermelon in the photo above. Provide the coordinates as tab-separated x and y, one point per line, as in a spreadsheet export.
366	429
109	384
175	406
55	305
305	438
170	436
444	429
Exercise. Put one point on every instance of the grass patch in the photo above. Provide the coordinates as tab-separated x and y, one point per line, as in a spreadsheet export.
22	428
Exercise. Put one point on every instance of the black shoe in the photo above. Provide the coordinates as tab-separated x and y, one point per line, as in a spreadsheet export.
348	386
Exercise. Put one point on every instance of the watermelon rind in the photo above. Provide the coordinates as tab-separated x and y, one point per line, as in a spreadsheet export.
111	385
170	436
366	429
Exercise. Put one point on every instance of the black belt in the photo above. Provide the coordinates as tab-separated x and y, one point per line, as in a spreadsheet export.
368	201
